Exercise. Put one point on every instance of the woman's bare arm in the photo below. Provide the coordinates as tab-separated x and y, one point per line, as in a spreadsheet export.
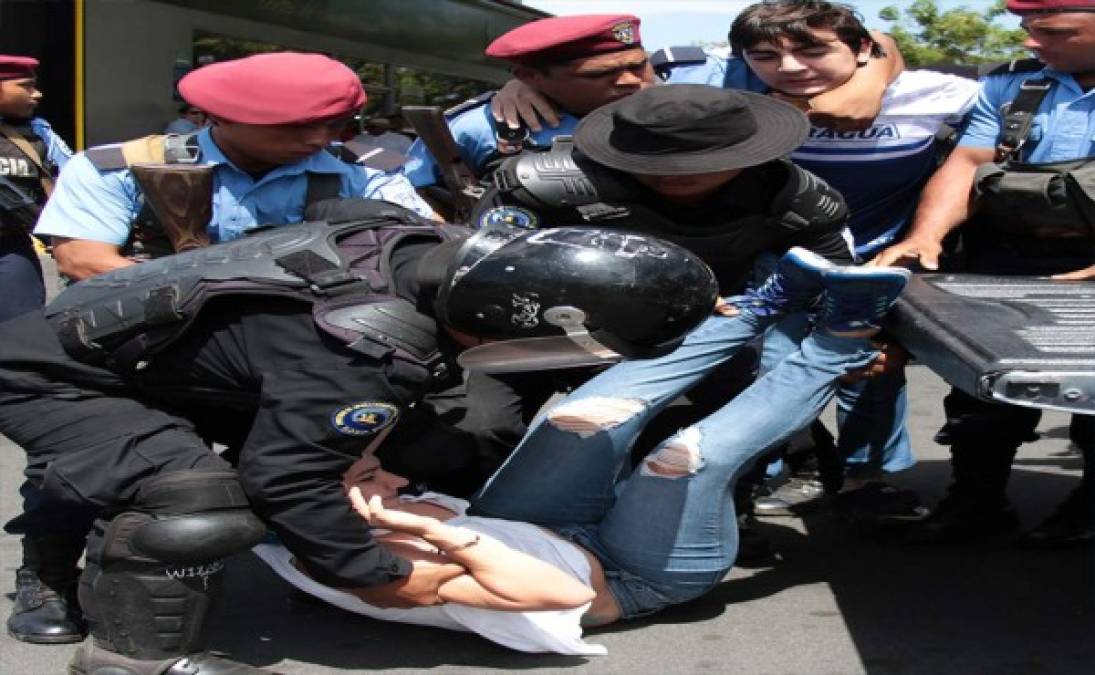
469	569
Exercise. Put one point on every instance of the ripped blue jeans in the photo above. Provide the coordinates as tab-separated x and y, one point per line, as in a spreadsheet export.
667	532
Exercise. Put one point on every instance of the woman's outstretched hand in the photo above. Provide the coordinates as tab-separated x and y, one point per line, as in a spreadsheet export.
376	515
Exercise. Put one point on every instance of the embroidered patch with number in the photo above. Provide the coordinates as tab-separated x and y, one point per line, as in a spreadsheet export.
363	419
509	215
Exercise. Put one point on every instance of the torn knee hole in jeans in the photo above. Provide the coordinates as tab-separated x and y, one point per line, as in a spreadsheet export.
587	416
676	458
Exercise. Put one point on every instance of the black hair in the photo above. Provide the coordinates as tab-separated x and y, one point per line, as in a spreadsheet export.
186	107
773	20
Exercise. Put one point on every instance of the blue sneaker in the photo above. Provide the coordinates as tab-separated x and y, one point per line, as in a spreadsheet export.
856	298
794	285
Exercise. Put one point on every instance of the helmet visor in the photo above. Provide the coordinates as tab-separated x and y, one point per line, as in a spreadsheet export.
535	354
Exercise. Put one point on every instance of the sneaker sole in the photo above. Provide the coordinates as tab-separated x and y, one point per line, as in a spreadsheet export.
31	638
808	261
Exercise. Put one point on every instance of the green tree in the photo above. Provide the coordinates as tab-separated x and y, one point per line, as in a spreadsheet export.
925	35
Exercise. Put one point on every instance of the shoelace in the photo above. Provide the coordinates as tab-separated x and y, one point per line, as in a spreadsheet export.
771	290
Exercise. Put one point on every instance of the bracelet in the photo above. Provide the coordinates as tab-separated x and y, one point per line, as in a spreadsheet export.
461	547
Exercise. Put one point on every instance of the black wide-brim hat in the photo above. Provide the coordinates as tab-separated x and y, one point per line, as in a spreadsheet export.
681	129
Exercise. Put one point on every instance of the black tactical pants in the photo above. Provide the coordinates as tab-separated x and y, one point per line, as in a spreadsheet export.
20	274
89	441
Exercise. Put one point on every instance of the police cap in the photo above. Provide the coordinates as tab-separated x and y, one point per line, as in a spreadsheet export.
275	88
17	67
1050	6
562	38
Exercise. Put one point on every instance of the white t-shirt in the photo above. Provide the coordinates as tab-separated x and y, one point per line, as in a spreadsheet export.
557	631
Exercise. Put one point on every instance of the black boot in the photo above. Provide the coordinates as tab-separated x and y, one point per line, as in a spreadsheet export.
976	506
1072	523
152	571
93	660
46	610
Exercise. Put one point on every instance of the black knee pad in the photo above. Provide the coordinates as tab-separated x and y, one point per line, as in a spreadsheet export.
186	517
152	570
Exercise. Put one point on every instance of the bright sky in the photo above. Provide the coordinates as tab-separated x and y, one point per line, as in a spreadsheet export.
683	22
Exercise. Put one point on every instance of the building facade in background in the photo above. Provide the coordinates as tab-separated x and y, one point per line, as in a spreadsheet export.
109	67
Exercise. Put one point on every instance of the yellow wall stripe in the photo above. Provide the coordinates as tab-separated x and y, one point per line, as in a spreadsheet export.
79	75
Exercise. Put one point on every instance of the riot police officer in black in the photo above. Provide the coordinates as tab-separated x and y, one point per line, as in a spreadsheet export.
303	346
699	166
695	165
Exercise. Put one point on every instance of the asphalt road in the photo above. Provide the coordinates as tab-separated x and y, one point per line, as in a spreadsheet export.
832	601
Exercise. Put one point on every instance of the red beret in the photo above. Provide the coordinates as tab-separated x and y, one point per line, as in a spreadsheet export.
1048	6
562	38
275	88
13	67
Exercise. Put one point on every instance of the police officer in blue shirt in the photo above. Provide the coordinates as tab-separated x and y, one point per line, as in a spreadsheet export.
849	107
578	62
564	67
1009	233
274	116
31	154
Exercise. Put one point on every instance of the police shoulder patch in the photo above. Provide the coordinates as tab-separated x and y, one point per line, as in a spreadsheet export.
364	418
509	215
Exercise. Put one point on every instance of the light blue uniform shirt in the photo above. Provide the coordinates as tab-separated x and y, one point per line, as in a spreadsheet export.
719	70
473	131
1063	127
100	205
56	149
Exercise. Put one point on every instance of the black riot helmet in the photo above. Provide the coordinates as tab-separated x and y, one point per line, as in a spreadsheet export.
632	293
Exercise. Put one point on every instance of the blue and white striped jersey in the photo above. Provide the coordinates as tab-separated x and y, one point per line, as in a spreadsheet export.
881	170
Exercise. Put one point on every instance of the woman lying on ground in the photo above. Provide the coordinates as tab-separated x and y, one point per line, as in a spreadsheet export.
556	540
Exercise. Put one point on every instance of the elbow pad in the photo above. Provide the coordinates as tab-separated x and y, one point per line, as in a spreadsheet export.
808	202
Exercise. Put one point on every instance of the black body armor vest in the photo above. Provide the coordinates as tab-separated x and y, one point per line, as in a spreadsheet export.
581	192
1046	208
124	317
22	172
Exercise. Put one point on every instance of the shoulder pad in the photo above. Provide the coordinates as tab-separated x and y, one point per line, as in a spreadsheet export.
361	151
473	102
1016	66
156	149
807	201
675	56
558	178
346	209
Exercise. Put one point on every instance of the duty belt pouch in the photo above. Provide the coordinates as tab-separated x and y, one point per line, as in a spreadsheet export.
1054	200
